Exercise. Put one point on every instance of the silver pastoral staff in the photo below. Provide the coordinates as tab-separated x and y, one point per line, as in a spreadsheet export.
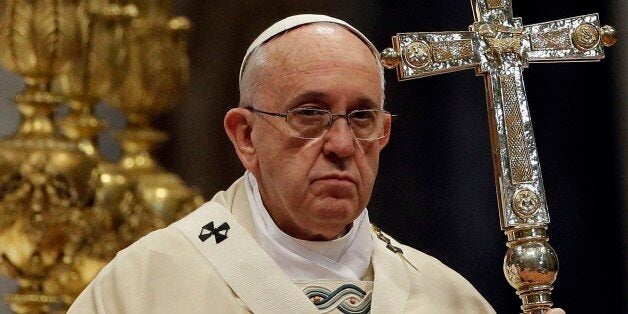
499	47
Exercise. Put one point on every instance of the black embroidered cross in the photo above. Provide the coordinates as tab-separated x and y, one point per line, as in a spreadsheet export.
208	230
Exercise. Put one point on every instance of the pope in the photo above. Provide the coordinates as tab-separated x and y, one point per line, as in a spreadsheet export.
293	234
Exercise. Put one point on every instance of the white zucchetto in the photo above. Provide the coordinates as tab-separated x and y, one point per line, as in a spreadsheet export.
295	21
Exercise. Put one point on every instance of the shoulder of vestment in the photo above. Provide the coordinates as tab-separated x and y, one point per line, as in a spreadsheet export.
438	281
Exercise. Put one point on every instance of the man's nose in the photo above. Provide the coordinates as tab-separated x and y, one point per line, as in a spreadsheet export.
339	139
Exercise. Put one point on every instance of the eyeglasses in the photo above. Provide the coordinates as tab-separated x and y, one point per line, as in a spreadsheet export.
312	123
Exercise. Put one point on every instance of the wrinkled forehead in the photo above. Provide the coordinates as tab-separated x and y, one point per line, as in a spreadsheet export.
297	21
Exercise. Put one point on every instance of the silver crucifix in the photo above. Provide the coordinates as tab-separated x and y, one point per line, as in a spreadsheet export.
499	47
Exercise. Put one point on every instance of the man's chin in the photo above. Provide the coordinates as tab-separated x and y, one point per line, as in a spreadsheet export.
336	211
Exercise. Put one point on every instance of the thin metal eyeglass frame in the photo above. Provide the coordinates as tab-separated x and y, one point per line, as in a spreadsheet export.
334	116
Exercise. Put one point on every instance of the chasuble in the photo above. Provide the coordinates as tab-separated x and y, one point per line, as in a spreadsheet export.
211	262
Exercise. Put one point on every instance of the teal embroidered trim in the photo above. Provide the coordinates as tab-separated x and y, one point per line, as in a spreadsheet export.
348	299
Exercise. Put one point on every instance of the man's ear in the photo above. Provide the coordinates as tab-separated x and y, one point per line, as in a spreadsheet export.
238	127
384	140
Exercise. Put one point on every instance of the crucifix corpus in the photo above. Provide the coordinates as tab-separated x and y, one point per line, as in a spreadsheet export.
499	47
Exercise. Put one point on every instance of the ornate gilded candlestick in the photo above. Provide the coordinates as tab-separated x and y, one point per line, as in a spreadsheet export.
64	210
99	63
157	73
43	176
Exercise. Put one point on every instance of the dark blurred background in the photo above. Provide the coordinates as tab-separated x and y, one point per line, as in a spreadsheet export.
435	189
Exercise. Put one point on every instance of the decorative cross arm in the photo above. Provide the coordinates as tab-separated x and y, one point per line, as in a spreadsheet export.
420	54
499	47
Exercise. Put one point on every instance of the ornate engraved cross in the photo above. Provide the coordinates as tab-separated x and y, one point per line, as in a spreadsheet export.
499	47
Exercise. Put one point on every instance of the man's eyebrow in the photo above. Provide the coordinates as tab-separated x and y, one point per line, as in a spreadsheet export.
307	96
367	103
314	95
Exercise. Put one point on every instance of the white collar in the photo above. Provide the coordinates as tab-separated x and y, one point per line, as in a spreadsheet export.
347	257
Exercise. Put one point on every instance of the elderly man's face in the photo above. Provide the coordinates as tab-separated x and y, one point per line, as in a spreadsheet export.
313	189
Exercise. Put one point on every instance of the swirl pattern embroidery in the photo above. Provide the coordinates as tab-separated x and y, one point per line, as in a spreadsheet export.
348	299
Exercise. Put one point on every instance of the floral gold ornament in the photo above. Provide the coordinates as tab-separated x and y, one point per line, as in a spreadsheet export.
500	48
418	54
586	36
525	202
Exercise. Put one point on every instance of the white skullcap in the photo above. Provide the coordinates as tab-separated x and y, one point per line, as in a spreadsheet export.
298	20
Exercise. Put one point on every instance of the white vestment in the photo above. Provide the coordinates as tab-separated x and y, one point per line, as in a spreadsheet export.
210	262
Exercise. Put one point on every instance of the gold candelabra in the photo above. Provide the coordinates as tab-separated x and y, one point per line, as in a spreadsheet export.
65	210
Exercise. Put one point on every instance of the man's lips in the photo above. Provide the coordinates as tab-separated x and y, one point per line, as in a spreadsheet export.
335	177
